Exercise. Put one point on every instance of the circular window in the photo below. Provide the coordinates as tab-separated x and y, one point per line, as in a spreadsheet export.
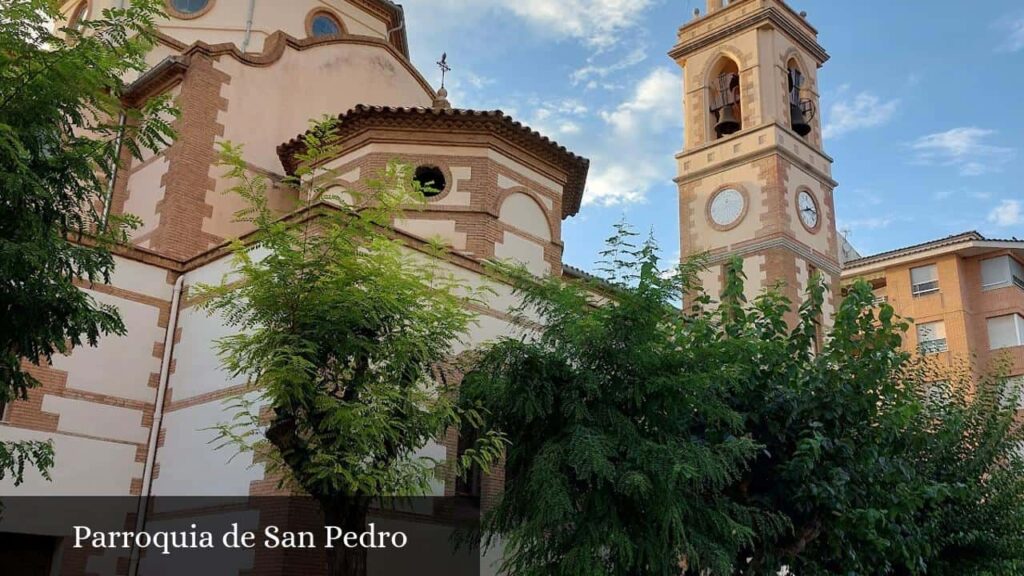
188	8
431	180
324	24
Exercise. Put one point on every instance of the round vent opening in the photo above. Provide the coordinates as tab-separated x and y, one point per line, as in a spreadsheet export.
431	180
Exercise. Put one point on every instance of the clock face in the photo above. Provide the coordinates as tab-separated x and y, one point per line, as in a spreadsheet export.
808	209
727	207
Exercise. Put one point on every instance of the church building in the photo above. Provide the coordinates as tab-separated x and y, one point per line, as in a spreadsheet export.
132	417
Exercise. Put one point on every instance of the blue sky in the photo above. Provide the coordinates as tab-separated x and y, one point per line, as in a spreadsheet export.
921	103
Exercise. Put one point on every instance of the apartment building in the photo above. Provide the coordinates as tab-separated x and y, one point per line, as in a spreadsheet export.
965	294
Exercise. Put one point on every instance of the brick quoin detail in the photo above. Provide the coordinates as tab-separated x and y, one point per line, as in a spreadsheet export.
187	181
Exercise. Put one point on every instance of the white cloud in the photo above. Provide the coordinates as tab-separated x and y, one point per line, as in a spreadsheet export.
655	102
598	23
965	148
1014	28
858	112
614	184
592	72
556	118
637	153
1008	213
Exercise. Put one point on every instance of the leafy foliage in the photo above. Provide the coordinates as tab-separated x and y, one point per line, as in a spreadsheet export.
974	448
622	442
735	440
340	330
60	105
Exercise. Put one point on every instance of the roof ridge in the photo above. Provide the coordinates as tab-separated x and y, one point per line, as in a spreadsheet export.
939	242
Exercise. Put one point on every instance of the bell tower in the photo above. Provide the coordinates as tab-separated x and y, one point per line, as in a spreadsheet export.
754	180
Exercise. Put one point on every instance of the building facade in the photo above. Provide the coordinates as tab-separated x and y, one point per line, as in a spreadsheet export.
132	417
965	294
753	177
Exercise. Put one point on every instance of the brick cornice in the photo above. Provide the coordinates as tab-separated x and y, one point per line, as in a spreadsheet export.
452	123
275	44
775	149
779	17
785	241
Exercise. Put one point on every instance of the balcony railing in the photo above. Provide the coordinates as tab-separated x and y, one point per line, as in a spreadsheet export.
925	288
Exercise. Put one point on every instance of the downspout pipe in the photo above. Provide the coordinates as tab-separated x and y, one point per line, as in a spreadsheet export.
122	125
248	26
400	27
158	416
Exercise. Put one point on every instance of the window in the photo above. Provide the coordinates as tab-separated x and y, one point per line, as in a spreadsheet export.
3	411
924	280
189	7
1005	331
324	24
1001	272
431	180
931	338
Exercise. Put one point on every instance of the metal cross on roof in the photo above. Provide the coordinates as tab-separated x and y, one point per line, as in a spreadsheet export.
443	65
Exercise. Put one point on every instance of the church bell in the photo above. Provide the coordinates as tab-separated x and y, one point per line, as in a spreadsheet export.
727	122
801	112
724	105
799	120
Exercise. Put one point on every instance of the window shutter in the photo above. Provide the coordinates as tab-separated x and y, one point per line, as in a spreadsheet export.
924	274
1004	332
995	272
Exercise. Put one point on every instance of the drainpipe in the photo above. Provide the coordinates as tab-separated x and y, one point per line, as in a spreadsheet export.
401	25
248	25
122	124
158	414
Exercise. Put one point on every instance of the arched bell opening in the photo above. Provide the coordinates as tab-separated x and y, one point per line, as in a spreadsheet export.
725	94
801	109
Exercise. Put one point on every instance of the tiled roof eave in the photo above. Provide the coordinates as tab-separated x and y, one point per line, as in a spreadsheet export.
493	121
960	241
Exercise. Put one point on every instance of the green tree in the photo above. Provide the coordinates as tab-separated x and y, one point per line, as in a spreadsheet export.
743	443
873	474
340	330
622	441
975	447
60	137
837	426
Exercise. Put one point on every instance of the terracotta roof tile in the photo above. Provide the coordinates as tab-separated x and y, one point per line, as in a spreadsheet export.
459	119
972	235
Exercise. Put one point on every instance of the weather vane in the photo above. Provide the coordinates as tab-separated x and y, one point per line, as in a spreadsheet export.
443	65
